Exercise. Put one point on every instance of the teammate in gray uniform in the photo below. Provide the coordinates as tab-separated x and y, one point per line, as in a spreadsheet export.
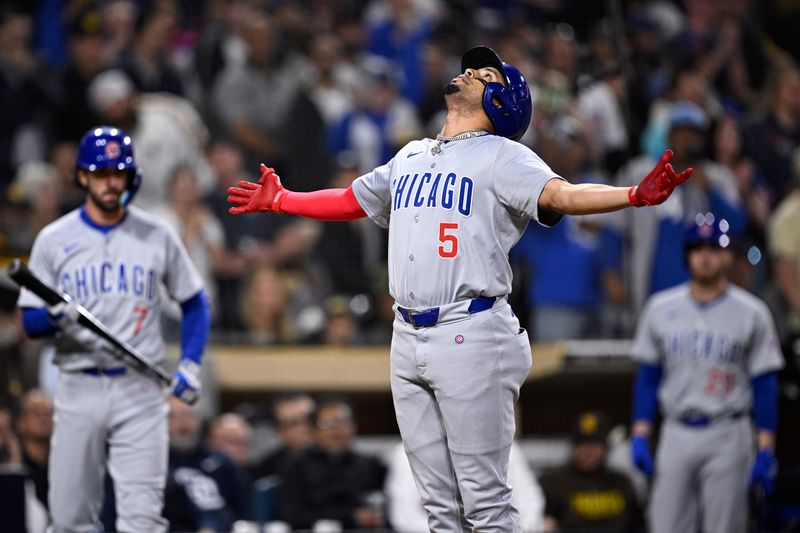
709	356
112	258
454	207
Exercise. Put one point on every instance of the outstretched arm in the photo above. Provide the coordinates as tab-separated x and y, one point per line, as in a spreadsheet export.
583	199
268	195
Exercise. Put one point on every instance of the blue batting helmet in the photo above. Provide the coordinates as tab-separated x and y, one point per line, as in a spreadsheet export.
509	107
707	230
108	147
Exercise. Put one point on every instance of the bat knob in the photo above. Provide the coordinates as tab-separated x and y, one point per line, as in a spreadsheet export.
15	266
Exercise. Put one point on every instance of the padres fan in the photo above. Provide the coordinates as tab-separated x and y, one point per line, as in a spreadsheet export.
454	207
709	356
585	493
111	258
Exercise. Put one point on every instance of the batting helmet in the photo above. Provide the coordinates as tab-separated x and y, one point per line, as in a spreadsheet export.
706	231
109	147
508	106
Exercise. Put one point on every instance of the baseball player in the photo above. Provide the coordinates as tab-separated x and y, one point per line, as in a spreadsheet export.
709	356
112	258
454	207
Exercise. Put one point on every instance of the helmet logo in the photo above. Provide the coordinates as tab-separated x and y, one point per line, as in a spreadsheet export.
113	149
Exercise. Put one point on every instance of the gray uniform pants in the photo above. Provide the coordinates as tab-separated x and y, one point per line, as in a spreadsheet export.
117	421
454	387
702	470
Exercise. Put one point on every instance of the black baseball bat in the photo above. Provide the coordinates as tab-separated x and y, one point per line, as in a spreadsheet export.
21	274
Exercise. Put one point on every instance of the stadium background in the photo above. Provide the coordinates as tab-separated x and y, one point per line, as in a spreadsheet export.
325	90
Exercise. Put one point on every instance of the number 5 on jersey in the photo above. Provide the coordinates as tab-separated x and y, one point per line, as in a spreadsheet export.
449	247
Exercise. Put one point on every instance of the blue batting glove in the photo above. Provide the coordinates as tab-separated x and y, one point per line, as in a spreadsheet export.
186	381
641	456
765	469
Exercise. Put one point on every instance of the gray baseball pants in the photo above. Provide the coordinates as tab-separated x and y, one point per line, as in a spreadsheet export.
116	421
702	470
454	387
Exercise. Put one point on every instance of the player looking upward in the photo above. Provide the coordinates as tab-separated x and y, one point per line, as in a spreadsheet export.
709	355
111	258
454	207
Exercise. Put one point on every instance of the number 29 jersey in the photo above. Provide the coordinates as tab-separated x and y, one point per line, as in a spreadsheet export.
454	210
709	351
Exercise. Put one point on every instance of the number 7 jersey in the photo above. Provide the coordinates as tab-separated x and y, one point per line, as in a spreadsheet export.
454	210
117	274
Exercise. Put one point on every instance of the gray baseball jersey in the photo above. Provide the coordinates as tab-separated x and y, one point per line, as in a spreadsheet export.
114	421
116	276
708	351
453	217
454	209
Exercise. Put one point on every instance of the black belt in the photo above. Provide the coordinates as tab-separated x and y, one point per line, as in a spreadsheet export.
110	372
701	421
430	317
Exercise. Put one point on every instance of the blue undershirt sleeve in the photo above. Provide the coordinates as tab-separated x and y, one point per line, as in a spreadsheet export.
765	401
37	324
645	392
195	325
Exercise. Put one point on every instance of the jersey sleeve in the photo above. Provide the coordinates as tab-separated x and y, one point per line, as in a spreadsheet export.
765	351
181	277
645	344
519	179
374	194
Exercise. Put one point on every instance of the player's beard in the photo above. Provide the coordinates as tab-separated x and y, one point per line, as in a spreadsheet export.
708	278
450	88
107	206
462	99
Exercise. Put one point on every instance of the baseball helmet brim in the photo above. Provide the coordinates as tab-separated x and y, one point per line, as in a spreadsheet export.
480	57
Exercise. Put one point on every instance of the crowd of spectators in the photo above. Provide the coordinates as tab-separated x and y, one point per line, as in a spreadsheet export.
326	90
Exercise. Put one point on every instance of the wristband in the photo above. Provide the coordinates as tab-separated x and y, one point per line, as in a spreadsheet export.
278	200
632	197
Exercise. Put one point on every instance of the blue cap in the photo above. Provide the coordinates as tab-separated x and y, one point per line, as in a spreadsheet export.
687	114
706	229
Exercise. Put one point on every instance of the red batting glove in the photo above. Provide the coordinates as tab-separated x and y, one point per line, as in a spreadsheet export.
262	197
659	183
